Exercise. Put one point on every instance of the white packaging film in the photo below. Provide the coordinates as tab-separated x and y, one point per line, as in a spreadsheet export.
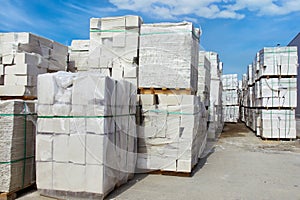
171	137
94	135
169	50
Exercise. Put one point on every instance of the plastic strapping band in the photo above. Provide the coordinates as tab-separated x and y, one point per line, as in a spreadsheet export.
169	32
25	145
112	31
15	161
101	116
173	113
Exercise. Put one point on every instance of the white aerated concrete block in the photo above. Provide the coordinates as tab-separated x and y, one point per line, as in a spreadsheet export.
44	147
60	148
76	148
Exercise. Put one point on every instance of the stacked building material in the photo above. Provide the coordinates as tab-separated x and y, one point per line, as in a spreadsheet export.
172	132
169	56
22	57
79	55
204	78
272	98
230	98
114	44
172	135
86	140
216	120
277	92
17	136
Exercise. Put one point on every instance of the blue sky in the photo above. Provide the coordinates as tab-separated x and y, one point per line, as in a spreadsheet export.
236	29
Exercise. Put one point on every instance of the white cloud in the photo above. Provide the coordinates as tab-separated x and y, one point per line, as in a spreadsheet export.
233	9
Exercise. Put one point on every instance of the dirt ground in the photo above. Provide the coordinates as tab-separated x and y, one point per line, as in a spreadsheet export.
238	165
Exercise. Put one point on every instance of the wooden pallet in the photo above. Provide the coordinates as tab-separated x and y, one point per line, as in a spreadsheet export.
18	97
177	91
277	139
171	173
276	76
12	195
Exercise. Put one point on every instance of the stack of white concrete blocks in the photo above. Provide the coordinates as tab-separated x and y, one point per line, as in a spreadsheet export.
248	96
114	47
276	95
22	57
270	97
204	79
173	134
230	98
169	56
79	55
86	140
215	118
17	136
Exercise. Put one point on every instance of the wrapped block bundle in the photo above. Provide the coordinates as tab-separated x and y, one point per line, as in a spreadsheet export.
278	61
230	81
169	56
114	44
17	136
204	77
172	135
276	124
231	113
251	79
22	57
277	92
79	55
230	98
216	69
86	140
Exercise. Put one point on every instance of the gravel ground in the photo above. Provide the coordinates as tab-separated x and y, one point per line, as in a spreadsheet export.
237	166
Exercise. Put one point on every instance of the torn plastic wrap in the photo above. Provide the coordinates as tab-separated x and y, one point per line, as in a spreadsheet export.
86	126
17	147
172	135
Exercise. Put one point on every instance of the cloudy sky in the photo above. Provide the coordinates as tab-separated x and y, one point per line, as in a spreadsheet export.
236	29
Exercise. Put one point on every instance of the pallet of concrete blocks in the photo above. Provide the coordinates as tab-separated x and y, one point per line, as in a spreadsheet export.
231	113
86	139
22	57
79	55
17	136
250	75
278	61
230	81
172	135
169	56
204	77
277	92
276	124
230	97
216	66
114	44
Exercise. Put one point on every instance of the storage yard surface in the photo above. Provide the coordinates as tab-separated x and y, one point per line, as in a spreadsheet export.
239	166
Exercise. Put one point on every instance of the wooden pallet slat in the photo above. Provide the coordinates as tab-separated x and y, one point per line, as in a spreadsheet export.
12	195
168	91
